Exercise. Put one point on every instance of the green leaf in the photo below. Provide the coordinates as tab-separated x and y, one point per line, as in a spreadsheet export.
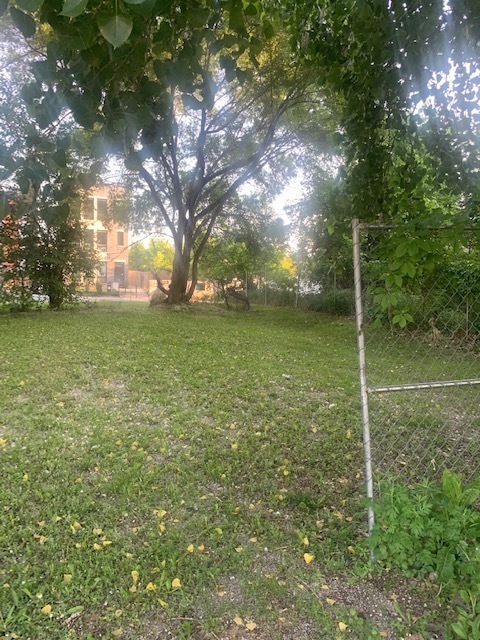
73	8
77	609
60	158
445	565
29	5
268	30
401	250
452	486
459	630
135	1
24	23
115	29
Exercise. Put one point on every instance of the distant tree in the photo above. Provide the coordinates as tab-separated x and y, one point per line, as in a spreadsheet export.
156	255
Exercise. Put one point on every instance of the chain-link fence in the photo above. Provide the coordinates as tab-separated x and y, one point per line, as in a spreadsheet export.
420	366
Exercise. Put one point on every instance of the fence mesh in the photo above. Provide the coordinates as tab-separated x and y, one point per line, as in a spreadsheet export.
423	380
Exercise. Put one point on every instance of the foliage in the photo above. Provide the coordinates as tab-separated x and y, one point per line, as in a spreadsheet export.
340	302
202	118
42	177
154	256
430	530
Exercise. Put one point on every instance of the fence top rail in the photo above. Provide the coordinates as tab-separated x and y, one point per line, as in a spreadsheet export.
424	385
445	227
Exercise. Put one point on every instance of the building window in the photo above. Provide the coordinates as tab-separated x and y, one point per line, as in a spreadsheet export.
101	240
89	237
102	209
200	286
90	209
120	238
102	272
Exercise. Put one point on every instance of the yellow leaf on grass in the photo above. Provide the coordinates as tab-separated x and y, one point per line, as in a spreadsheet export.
342	626
135	576
162	527
176	584
351	549
201	547
306	541
190	548
97	547
308	557
160	513
324	587
3	442
106	543
251	626
219	531
25	477
239	549
162	603
383	634
349	434
238	621
97	532
67	577
234	445
117	632
151	587
133	588
330	601
46	609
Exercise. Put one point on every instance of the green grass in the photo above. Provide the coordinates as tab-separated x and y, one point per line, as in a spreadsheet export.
130	434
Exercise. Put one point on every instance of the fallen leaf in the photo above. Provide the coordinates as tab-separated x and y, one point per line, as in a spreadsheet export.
162	603
342	626
239	549
308	557
176	584
67	577
97	547
117	632
201	547
135	576
190	548
324	587
234	445
46	609
238	621
305	541
251	626
97	532
331	601
151	587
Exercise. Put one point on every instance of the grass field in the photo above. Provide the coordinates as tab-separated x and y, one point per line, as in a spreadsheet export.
187	474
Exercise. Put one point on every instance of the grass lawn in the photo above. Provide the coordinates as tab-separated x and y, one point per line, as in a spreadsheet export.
187	474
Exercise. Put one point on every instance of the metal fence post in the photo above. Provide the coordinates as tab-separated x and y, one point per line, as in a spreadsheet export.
362	370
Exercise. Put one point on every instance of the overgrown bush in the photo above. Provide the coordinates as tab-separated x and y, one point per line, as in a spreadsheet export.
434	530
338	303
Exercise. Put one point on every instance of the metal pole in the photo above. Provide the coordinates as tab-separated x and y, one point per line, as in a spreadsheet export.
362	370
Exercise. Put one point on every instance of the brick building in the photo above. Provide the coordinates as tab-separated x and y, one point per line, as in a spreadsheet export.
107	237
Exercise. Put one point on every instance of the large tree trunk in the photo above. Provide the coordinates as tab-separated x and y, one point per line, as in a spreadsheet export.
177	293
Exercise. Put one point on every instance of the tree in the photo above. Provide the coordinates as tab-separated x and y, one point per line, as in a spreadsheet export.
404	78
201	119
42	180
157	255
